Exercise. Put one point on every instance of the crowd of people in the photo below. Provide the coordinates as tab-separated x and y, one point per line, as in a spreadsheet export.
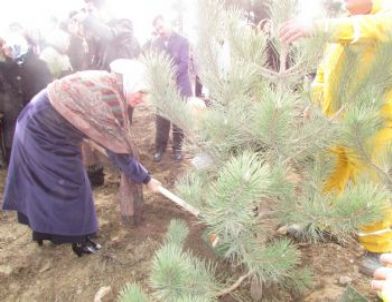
83	82
48	99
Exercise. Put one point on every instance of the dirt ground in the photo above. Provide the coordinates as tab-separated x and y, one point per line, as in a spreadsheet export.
53	273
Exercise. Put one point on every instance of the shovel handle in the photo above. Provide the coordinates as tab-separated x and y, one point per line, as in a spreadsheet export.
177	200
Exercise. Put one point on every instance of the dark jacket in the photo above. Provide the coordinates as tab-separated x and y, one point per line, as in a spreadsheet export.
25	77
177	47
77	53
110	41
20	81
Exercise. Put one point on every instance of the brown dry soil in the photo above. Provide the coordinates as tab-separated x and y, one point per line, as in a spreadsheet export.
53	273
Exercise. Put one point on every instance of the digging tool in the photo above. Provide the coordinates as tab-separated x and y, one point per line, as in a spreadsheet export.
177	200
213	238
165	192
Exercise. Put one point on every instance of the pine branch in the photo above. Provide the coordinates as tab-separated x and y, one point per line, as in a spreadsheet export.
315	132
269	164
362	123
177	232
177	275
273	262
132	293
236	284
240	184
343	215
164	92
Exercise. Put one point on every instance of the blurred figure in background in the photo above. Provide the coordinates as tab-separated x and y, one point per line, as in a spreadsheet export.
177	47
55	54
77	48
106	42
23	75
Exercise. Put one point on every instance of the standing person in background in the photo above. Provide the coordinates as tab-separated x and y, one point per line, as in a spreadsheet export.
368	27
177	47
23	75
77	48
106	42
55	54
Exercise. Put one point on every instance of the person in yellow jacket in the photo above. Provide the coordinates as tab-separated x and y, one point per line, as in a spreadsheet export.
368	26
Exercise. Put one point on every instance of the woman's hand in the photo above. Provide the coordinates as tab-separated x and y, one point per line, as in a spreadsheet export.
153	185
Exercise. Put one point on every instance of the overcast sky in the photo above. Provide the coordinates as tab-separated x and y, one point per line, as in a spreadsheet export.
37	13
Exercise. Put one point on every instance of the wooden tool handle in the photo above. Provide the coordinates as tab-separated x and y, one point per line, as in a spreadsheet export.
177	200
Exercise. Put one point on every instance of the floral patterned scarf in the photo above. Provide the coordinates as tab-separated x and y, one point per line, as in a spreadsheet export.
93	102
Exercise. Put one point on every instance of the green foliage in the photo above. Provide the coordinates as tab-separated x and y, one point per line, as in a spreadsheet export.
193	188
176	275
179	276
359	205
132	293
273	121
163	92
280	187
273	262
239	186
360	125
300	280
177	232
269	160
342	215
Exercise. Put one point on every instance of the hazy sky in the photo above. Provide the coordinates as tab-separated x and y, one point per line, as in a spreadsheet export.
36	13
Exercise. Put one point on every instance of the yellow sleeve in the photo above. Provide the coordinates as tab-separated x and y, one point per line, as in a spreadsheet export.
358	29
317	88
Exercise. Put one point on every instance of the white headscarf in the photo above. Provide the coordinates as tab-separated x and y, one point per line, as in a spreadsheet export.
133	73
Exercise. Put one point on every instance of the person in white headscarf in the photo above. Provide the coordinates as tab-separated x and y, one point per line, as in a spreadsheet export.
47	184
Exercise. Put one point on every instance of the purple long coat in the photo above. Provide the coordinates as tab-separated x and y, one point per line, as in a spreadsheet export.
46	179
177	47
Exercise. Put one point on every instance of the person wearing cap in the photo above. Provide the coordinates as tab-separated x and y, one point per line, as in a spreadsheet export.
368	27
177	48
47	184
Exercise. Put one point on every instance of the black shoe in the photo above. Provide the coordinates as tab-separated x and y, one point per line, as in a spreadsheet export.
89	247
97	246
158	155
177	155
